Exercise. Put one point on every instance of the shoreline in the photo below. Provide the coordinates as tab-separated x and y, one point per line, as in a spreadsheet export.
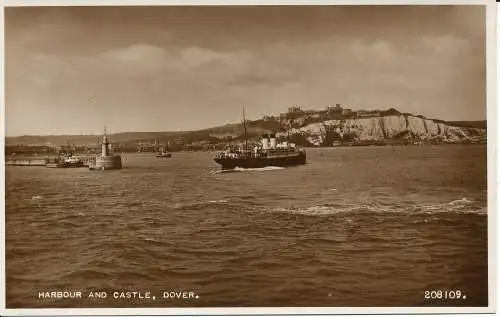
10	158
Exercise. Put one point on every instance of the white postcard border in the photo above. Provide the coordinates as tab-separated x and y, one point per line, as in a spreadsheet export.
493	177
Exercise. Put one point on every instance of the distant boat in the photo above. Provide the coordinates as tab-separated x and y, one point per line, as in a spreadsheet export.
269	153
65	162
163	154
72	161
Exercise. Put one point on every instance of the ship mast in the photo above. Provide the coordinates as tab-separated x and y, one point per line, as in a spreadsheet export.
245	128
288	124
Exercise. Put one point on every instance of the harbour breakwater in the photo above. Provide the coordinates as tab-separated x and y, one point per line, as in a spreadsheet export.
403	128
44	161
111	162
26	162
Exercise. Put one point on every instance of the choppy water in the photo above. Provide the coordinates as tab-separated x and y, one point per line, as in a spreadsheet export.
353	227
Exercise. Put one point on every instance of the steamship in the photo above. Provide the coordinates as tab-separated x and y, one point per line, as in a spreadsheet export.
268	153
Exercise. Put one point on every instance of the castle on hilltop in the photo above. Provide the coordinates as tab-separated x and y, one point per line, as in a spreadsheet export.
332	112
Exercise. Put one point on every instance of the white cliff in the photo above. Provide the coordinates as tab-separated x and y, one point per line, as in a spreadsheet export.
396	127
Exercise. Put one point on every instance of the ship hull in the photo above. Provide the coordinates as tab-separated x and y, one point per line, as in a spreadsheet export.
65	164
72	164
164	155
231	163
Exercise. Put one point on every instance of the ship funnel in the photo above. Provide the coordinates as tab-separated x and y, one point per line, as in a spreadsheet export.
273	141
265	142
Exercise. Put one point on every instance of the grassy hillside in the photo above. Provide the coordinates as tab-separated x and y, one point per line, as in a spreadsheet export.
468	124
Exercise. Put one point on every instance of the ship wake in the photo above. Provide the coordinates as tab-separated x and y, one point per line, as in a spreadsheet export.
241	169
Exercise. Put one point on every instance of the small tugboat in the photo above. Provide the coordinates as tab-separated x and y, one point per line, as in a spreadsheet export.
269	153
72	161
69	161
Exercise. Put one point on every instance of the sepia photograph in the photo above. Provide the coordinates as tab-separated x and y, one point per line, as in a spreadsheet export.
248	156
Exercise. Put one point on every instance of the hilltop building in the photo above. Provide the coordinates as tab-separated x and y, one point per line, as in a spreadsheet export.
346	112
295	110
334	109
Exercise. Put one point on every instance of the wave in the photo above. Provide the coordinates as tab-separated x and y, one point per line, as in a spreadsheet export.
200	204
261	169
459	206
463	200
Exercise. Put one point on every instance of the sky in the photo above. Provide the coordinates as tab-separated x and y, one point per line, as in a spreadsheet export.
74	70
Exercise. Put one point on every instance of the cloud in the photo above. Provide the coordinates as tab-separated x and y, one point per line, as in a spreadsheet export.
445	46
240	68
196	56
134	60
245	69
418	61
424	62
139	53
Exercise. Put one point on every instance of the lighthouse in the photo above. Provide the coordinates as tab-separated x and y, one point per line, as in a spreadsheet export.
107	160
105	145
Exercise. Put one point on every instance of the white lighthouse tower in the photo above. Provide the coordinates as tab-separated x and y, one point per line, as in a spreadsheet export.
105	144
106	161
